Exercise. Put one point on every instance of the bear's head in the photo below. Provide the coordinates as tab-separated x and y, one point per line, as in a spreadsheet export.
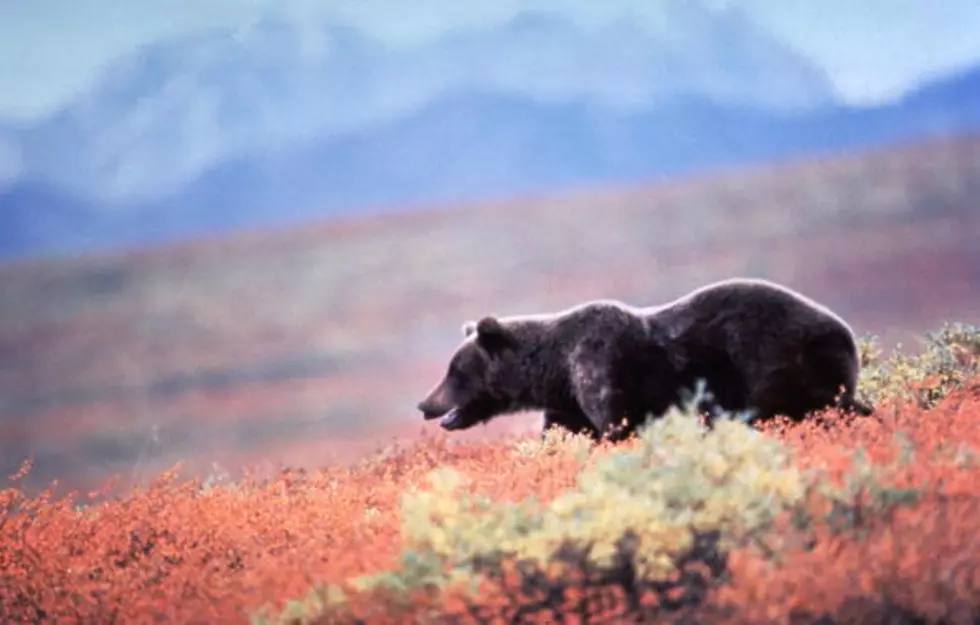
475	386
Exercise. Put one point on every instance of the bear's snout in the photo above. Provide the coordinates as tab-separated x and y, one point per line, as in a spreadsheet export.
436	404
429	411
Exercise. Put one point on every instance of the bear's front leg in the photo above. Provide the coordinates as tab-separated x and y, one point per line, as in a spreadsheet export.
601	394
605	407
572	421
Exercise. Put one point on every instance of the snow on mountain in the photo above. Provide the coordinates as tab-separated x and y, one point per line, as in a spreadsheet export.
286	122
172	110
469	146
719	55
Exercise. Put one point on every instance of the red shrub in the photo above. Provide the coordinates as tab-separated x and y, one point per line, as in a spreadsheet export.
208	555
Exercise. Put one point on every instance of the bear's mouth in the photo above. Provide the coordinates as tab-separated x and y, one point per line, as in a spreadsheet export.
461	417
453	420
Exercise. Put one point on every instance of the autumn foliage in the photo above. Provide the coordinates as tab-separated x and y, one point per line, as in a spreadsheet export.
843	519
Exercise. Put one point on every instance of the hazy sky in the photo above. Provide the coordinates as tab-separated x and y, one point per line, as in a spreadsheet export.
872	49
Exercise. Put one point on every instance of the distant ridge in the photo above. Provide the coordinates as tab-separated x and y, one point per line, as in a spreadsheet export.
320	339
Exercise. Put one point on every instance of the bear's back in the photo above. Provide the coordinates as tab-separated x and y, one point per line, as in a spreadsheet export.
602	321
750	304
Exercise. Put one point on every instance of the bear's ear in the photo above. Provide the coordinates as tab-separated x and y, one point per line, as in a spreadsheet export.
492	335
469	328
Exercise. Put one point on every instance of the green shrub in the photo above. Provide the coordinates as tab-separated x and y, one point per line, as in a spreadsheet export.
951	356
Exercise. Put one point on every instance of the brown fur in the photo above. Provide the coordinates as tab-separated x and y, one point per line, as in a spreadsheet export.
757	345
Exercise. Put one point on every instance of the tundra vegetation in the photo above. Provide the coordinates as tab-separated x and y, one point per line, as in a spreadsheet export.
837	519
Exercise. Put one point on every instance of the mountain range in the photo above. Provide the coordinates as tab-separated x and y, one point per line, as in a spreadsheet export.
284	122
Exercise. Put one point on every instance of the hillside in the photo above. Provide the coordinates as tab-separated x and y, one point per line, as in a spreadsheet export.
836	520
309	343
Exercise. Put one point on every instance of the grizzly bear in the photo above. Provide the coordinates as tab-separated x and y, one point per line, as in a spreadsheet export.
603	367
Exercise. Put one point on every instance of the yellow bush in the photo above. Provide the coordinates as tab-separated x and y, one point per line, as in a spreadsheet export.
677	481
951	357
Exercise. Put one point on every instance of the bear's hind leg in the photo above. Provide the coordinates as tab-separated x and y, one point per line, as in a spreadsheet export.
832	371
849	403
824	376
783	393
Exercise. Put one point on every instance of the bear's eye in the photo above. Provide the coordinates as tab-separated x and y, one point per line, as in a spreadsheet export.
455	371
461	372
